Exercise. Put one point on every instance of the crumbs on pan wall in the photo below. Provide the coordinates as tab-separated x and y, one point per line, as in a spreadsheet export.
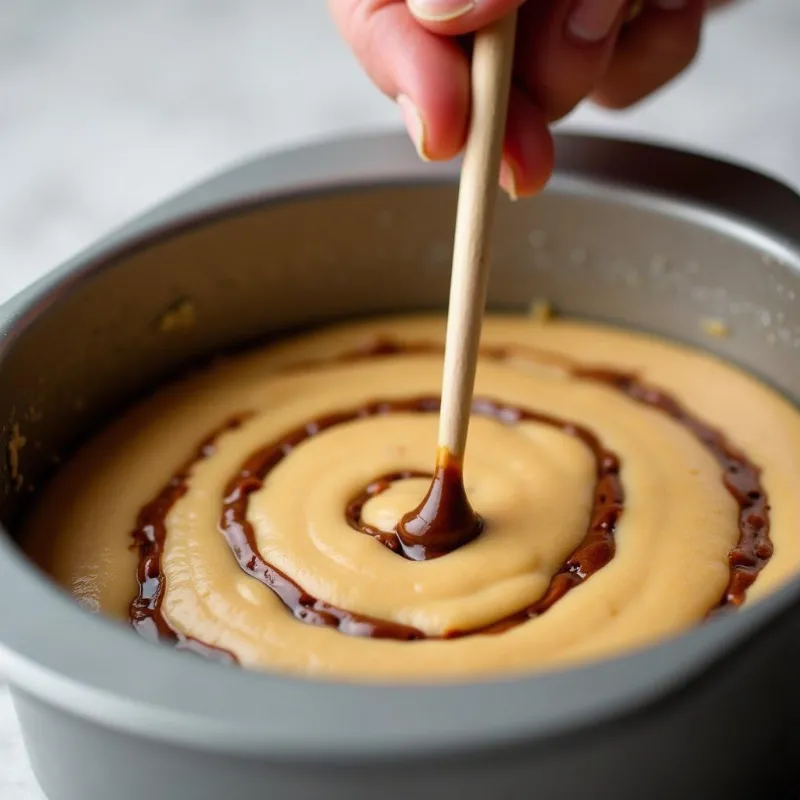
33	414
181	315
717	328
541	310
15	443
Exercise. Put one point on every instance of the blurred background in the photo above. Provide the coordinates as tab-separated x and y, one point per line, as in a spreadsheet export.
108	106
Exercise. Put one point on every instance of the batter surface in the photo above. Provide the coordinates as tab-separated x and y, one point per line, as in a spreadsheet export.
246	511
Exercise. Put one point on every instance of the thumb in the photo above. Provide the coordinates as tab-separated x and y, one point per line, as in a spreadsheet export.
457	17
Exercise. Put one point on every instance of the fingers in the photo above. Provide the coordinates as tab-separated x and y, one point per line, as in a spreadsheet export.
528	149
563	49
457	17
655	48
428	75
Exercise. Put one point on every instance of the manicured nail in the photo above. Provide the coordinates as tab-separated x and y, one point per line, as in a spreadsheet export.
670	5
593	20
508	179
440	10
415	124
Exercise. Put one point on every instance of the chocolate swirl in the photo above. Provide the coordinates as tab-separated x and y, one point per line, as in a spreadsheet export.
618	479
740	477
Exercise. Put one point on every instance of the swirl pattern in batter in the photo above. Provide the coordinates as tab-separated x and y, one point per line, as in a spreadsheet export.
251	512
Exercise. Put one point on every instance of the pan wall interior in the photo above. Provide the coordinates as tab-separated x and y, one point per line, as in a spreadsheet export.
246	275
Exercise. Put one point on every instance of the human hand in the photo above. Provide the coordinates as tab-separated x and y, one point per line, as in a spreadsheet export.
615	52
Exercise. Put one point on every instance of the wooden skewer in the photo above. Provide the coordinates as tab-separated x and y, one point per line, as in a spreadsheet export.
445	519
492	62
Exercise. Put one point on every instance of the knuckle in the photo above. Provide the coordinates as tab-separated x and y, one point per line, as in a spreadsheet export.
356	18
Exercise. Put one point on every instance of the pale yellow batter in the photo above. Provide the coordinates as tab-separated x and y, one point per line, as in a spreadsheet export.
531	483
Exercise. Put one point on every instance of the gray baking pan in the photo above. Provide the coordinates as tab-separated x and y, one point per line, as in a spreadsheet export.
648	237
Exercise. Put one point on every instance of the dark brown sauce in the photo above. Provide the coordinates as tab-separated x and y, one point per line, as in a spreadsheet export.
240	536
445	519
352	512
149	538
598	546
594	552
740	477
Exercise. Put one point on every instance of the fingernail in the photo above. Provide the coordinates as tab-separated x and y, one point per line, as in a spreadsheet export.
593	20
508	179
440	10
670	5
415	124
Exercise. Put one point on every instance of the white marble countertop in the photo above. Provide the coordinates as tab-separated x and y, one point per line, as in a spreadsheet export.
105	108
